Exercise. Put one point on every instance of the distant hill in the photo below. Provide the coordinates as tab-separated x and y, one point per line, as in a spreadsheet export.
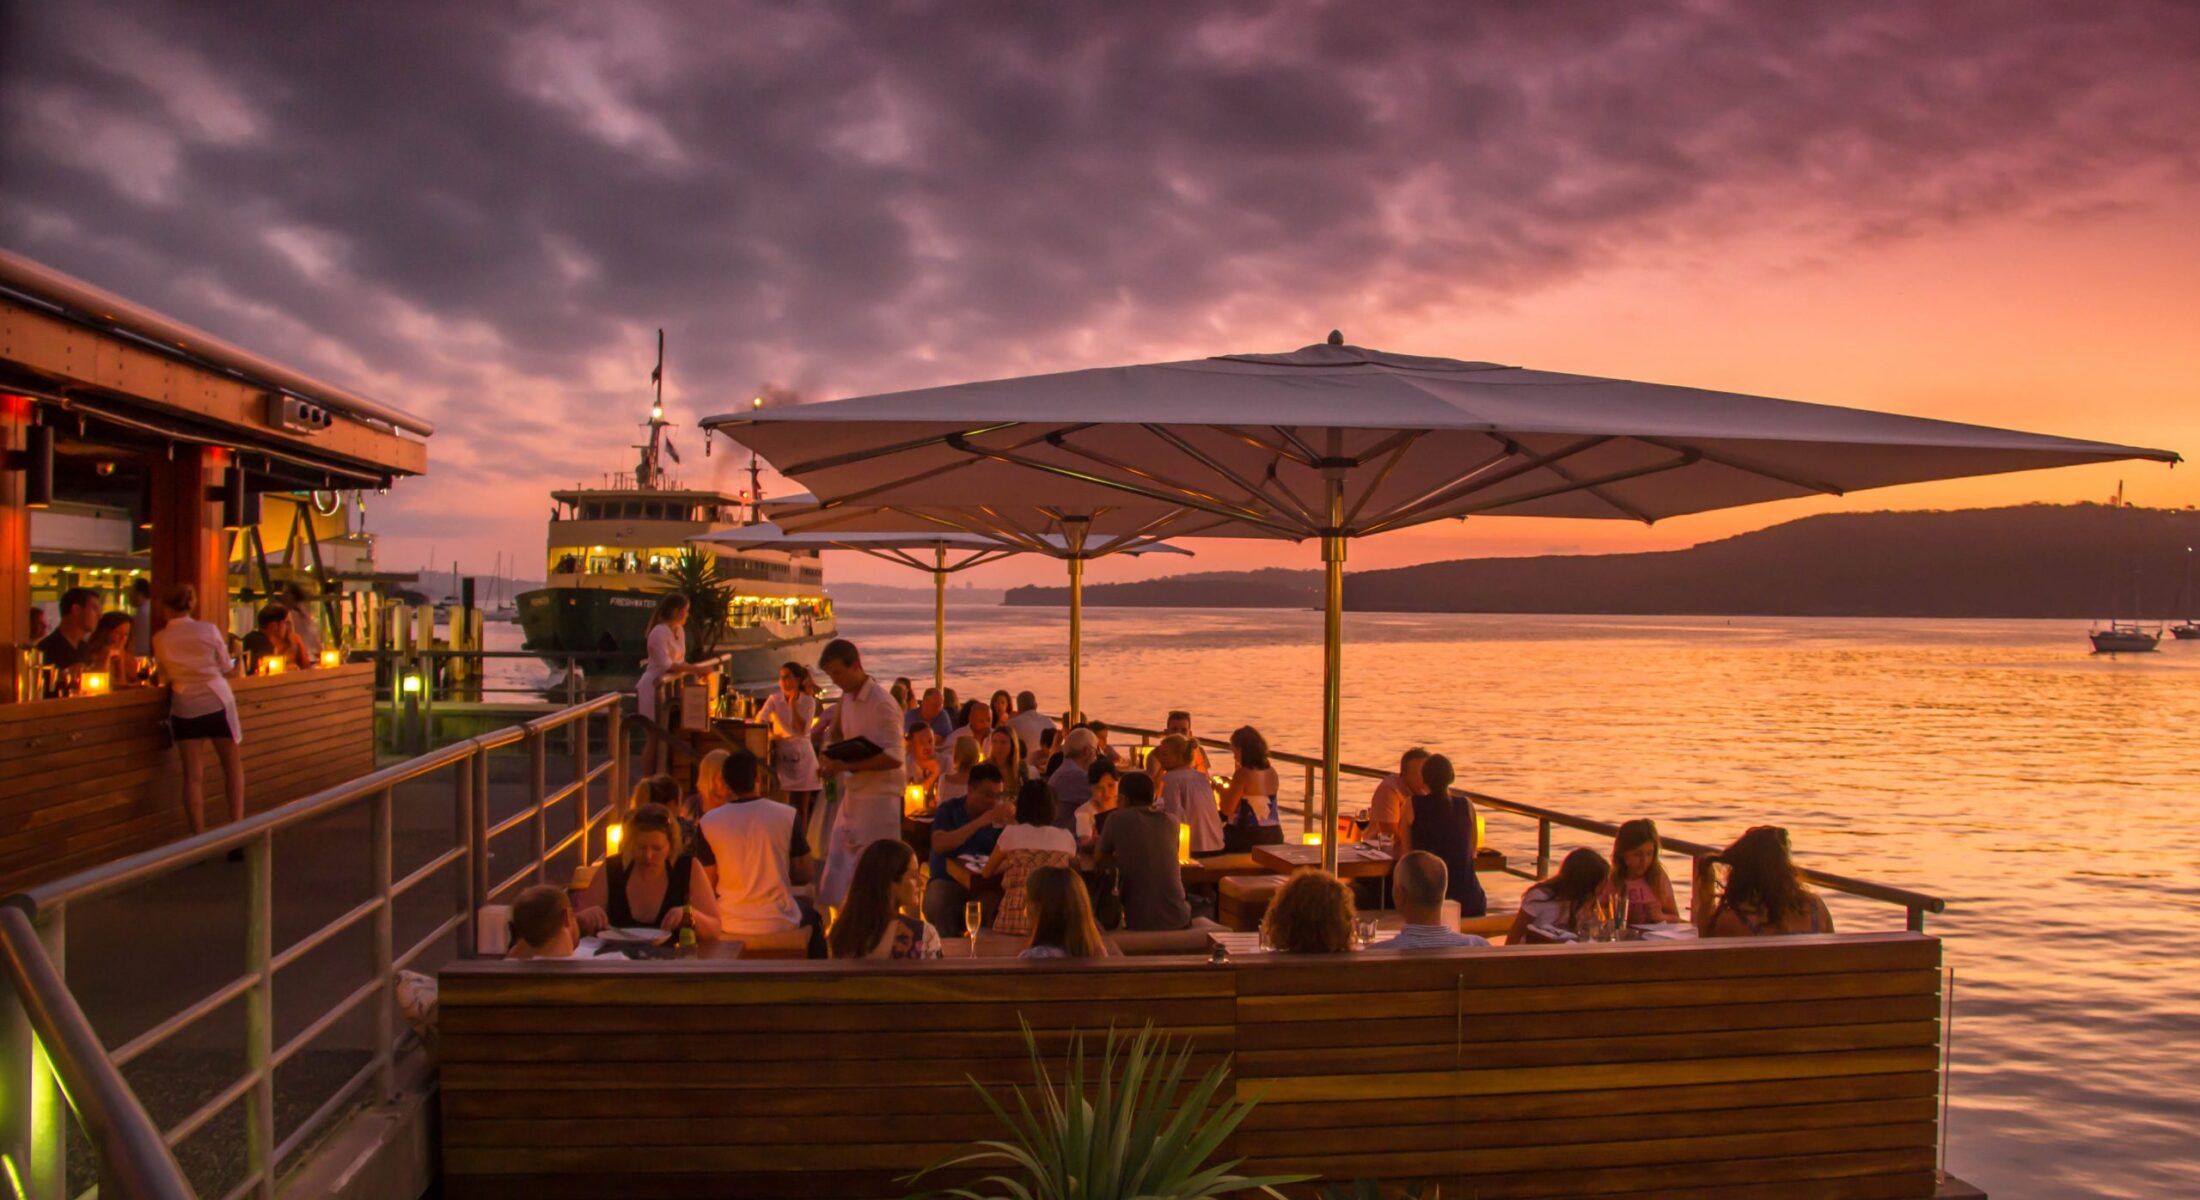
2031	561
878	593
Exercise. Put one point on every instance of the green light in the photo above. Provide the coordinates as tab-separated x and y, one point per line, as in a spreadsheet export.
410	684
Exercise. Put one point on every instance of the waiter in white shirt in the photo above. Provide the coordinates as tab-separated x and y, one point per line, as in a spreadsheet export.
870	788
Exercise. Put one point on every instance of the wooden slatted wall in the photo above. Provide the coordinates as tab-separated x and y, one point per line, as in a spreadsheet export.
1805	1066
92	779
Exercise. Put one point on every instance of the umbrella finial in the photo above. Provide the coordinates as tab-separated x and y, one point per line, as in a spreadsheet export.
1336	337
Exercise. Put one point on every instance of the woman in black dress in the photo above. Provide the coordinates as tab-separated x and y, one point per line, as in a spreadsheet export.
651	882
1443	825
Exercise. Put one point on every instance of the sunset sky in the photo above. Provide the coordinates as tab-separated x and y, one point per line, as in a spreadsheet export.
482	212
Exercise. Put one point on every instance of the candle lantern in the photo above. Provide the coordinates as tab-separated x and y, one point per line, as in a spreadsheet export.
912	799
1183	843
95	683
272	665
1312	837
611	834
332	658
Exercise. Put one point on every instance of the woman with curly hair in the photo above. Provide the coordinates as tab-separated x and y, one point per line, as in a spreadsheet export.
1311	914
1764	893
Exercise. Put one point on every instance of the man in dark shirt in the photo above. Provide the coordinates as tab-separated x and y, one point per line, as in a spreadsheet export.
1141	841
932	711
64	647
274	639
965	825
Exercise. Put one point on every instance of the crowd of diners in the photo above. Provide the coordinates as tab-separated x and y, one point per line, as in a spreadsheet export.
1066	839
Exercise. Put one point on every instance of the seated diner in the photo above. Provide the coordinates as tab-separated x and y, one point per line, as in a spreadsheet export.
1034	841
763	854
1140	843
1390	809
1249	813
955	781
273	639
1103	782
1187	794
652	882
883	916
1561	907
921	760
1419	882
64	648
1311	914
542	924
1061	916
1443	825
1072	779
1764	894
970	825
1638	878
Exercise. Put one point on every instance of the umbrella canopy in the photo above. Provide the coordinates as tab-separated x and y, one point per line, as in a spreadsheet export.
1338	441
900	546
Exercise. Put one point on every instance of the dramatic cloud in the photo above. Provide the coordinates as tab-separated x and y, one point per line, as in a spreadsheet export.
483	212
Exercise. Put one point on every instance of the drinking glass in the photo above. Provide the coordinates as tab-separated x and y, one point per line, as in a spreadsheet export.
973	916
1365	927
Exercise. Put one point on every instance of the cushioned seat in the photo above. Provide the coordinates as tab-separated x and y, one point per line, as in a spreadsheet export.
1138	943
793	943
1245	899
1493	926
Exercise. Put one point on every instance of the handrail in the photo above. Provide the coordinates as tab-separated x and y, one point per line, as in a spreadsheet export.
133	1160
134	1154
1917	903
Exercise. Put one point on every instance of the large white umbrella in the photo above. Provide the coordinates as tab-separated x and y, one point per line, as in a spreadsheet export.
899	546
1337	441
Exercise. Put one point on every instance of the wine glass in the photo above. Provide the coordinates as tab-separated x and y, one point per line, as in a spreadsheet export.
1365	927
973	916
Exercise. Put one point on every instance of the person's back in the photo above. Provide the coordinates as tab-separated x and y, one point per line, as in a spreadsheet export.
1141	842
542	924
1030	724
1189	796
1443	825
1420	881
754	840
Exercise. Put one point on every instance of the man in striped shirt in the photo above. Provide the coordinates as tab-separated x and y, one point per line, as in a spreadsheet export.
1419	881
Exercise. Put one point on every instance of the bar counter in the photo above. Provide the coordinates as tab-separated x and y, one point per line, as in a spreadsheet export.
90	779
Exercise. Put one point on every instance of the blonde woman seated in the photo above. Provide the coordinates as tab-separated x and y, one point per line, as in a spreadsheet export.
652	882
884	914
1188	795
1034	841
1764	893
955	783
1061	916
1311	914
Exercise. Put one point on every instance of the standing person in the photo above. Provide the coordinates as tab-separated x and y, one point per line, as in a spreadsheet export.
1140	843
1072	781
302	622
1420	880
969	825
1443	825
202	711
883	917
791	713
931	711
1030	724
141	617
762	855
1249	800
667	654
1391	808
870	786
1638	876
1189	795
64	647
1180	724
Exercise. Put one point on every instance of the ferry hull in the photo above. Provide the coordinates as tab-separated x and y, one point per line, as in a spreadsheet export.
564	620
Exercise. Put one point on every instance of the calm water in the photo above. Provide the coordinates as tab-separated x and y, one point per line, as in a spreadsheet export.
2051	796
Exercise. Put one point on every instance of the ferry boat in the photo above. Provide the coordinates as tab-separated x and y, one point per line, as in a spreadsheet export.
611	551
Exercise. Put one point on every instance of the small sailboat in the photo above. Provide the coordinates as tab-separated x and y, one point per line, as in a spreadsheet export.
2188	629
2124	637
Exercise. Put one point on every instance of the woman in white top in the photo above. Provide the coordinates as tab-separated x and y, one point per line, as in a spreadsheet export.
792	714
202	711
1188	794
955	784
1248	801
667	658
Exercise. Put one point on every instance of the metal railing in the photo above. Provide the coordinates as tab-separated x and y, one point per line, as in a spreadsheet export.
50	1053
1703	858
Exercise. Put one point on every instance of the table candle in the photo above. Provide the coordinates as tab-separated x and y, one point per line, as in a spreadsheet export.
611	834
94	683
332	658
1183	843
1311	837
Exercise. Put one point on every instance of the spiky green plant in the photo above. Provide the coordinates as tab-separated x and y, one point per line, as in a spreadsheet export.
1135	1135
694	574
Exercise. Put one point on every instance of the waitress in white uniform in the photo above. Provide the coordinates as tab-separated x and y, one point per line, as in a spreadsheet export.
667	655
792	714
202	711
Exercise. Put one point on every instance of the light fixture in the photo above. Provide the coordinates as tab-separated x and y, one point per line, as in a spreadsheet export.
272	665
94	683
611	835
1184	843
240	504
912	798
38	466
332	658
1311	837
656	412
410	685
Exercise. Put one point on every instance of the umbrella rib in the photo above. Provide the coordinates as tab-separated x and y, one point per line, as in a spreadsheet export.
1252	490
1475	481
1308	461
874	452
1063	444
1313	457
892	554
1148	493
1687	458
1599	492
954	440
1739	465
1382	473
981	558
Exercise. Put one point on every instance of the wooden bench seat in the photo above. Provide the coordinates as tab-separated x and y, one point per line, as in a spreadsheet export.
1803	1066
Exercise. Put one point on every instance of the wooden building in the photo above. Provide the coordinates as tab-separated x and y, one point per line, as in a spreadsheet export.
105	403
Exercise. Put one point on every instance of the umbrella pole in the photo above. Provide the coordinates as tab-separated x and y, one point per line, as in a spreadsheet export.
1332	666
1076	637
939	618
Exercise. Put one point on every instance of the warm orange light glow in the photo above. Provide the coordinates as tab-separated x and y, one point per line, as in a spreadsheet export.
332	658
1183	843
912	798
95	683
272	666
611	834
1311	837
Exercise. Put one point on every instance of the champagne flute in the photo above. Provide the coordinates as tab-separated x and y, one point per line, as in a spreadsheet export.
973	916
